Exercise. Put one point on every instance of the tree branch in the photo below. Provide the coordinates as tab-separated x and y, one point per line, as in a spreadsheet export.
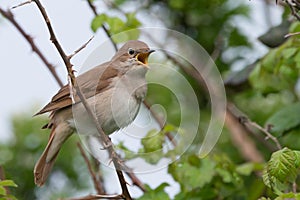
104	138
99	187
80	48
93	197
294	6
240	137
10	17
246	121
29	39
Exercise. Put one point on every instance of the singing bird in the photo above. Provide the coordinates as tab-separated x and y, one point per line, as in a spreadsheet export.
114	89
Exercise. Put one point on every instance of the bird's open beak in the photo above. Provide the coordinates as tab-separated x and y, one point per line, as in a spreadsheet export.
143	56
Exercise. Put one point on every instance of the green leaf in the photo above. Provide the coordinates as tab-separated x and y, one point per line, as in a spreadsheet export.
2	191
285	196
156	194
190	175
247	168
198	193
9	183
281	170
119	2
128	154
237	39
10	197
289	52
169	128
295	27
98	21
132	22
285	119
126	35
115	24
152	146
153	141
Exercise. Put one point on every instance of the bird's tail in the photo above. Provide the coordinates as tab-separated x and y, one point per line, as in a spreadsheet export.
59	134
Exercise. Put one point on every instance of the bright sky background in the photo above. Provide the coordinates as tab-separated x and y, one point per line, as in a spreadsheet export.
26	83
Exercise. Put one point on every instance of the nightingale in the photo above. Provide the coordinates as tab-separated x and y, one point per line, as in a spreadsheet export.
114	90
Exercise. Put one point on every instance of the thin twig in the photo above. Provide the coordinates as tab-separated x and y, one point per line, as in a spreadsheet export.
2	174
29	39
104	138
80	48
247	121
21	4
97	184
98	196
295	187
9	16
234	111
55	41
160	123
294	7
291	34
241	139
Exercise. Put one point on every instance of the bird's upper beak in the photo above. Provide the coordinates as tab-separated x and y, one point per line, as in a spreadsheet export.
143	56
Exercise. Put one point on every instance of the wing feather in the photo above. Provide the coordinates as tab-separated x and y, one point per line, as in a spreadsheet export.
91	82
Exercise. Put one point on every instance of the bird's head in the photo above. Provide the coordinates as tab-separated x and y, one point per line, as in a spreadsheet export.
134	51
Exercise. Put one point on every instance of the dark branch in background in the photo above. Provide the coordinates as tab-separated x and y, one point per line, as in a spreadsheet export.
190	71
160	123
22	4
104	138
240	138
2	174
9	16
135	180
244	120
93	197
97	183
294	5
29	39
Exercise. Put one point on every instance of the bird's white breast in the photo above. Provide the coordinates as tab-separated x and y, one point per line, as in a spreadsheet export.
116	107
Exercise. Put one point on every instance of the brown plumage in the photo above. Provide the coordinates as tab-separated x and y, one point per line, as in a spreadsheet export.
99	82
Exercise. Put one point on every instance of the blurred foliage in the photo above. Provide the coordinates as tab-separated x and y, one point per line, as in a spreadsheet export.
4	185
267	91
19	156
117	25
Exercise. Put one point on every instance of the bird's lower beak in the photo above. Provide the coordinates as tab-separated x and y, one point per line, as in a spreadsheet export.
143	56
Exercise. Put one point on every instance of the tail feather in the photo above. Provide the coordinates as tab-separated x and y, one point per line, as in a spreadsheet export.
42	167
45	163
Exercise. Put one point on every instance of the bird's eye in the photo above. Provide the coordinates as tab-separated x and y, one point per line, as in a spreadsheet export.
130	51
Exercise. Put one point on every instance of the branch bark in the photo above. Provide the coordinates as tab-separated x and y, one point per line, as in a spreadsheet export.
10	17
98	184
73	84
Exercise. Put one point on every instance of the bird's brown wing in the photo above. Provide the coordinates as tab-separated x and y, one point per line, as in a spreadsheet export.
91	82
